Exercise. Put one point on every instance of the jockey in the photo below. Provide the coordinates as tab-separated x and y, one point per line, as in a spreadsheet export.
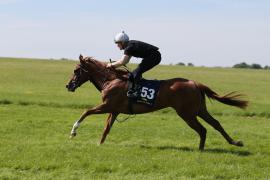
149	54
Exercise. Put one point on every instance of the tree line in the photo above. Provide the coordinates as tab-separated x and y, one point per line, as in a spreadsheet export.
239	65
252	66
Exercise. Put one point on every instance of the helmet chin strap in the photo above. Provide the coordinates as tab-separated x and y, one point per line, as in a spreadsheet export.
125	44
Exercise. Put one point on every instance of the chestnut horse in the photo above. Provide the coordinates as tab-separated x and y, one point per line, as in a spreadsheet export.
185	96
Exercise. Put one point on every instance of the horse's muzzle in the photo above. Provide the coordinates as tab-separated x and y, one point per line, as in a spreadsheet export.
71	87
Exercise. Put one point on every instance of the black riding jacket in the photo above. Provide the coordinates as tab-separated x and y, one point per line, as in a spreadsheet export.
139	49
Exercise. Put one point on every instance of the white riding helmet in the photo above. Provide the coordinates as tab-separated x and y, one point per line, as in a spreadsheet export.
121	37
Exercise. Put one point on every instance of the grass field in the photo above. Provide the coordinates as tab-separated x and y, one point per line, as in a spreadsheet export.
37	113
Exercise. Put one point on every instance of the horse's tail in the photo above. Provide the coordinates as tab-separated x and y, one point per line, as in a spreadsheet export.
232	98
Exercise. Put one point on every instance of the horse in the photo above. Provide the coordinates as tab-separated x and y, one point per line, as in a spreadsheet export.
186	97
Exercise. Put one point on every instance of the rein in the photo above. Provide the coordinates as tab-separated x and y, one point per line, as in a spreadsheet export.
104	69
90	75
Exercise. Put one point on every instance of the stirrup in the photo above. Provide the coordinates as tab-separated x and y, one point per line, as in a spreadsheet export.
132	94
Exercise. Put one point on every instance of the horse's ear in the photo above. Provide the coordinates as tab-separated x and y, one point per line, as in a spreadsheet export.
81	58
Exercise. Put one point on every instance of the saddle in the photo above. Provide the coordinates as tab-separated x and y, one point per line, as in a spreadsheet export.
147	93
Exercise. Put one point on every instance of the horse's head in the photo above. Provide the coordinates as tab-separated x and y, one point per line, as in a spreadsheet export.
80	75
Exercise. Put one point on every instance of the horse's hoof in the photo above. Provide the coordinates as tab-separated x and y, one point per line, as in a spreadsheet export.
239	143
72	135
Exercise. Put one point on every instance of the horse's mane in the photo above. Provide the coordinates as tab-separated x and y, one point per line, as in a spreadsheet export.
120	73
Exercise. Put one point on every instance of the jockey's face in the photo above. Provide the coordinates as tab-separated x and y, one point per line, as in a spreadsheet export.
120	45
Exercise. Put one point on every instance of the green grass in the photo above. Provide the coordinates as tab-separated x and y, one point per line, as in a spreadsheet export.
37	113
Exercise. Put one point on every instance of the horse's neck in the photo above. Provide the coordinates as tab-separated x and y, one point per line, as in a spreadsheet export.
101	76
99	80
98	85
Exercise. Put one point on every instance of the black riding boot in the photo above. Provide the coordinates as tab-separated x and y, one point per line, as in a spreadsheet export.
133	89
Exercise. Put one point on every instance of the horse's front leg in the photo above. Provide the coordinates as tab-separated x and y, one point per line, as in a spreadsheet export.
109	124
96	110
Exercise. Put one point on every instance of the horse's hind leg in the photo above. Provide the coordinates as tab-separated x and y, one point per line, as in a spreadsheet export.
109	124
204	114
197	126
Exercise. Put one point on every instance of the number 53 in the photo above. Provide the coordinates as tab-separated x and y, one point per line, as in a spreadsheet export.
148	93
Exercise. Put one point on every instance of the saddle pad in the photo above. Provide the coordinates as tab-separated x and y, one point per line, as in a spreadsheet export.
148	91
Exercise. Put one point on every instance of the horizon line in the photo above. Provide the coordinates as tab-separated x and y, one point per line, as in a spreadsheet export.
168	64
